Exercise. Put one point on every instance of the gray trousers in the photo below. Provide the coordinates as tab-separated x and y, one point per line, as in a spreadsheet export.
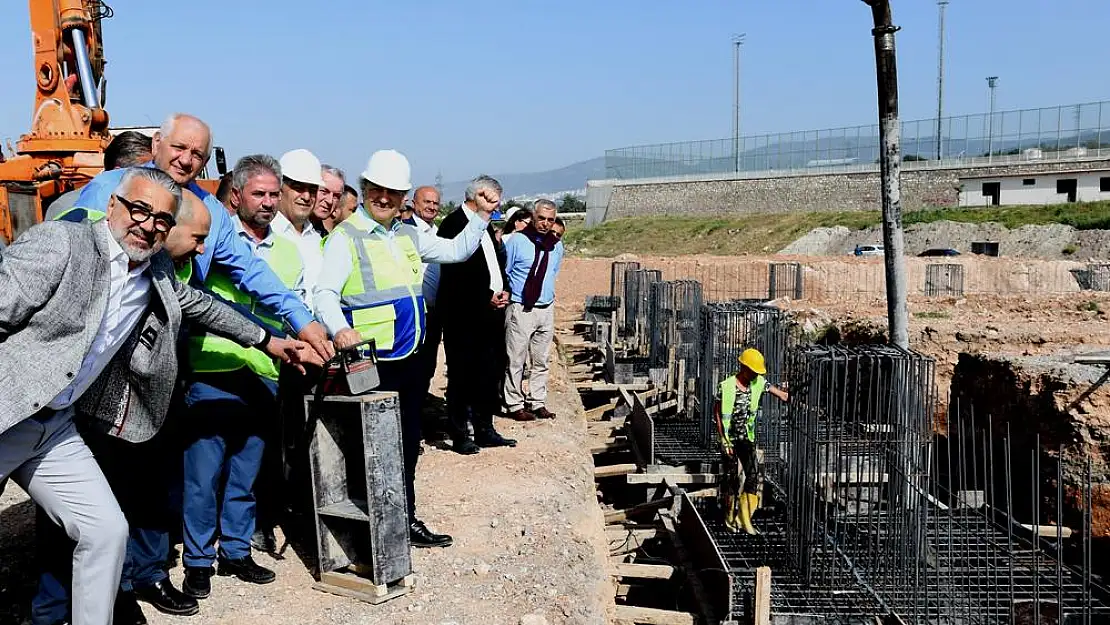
527	336
47	458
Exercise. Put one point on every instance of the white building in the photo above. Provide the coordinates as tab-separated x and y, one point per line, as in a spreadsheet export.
1054	188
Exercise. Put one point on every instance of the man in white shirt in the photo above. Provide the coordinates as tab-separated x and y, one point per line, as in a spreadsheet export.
328	198
301	180
425	210
475	293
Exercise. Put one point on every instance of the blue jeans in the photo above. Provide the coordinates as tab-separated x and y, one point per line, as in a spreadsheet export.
222	460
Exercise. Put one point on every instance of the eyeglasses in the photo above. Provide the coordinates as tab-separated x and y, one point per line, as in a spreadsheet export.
140	213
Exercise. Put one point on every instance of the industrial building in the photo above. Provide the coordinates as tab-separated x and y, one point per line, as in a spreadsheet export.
1054	188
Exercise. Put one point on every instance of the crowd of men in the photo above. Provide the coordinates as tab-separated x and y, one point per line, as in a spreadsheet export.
156	340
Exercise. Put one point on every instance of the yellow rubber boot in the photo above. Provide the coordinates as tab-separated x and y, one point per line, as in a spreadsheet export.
746	513
755	501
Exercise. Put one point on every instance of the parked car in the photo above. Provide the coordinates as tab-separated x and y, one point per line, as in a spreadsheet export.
939	251
869	250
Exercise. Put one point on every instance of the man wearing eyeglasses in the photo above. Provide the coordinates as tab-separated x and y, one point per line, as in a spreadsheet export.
181	148
89	316
301	180
370	288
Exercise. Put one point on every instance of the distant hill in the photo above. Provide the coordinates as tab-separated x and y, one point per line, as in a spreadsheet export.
569	178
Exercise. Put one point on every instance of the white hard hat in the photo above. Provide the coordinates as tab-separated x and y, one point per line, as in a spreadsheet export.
302	166
389	169
509	214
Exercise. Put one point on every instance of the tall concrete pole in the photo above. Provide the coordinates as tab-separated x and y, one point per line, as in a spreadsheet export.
737	41
890	158
941	5
992	82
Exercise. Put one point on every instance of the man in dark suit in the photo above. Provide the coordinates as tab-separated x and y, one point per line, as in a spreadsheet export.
472	298
89	314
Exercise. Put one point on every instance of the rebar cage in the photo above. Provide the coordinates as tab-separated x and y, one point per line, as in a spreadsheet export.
675	324
637	304
617	272
727	329
859	426
785	280
944	280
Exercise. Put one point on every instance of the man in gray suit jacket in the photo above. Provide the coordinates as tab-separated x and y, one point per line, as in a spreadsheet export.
72	296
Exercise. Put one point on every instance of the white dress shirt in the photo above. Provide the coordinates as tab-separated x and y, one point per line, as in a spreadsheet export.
489	250
128	297
309	242
338	264
431	270
265	247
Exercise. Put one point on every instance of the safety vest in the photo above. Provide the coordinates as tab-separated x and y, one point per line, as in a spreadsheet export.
210	353
185	272
382	298
728	403
78	214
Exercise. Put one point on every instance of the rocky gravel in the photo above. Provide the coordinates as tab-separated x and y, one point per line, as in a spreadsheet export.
529	543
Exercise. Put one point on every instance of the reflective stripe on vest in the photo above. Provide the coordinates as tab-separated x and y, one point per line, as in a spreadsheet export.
210	353
382	298
728	403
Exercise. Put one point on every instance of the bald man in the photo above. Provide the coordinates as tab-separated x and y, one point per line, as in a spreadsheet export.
186	240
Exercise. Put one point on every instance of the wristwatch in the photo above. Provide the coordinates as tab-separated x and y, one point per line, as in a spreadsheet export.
264	341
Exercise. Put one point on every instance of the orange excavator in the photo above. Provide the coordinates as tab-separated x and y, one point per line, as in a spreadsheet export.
69	126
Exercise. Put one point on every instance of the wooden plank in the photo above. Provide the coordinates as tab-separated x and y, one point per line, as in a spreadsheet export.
614	470
652	616
623	590
667	405
762	596
644	571
594	414
608	444
675	478
610	387
623	541
618	516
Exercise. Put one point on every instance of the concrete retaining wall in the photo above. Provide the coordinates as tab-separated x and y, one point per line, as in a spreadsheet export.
780	192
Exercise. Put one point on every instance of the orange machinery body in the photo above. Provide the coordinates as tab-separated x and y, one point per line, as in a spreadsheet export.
65	146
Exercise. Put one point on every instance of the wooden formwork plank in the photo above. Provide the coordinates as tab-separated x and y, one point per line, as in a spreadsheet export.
652	616
593	414
614	470
644	571
608	444
762	596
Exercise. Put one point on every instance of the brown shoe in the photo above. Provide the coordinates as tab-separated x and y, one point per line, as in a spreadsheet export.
544	413
522	415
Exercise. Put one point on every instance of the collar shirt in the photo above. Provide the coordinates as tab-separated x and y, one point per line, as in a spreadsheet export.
489	251
431	270
265	247
128	298
311	246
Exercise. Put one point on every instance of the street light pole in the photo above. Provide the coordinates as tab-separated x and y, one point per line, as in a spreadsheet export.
737	41
992	82
941	5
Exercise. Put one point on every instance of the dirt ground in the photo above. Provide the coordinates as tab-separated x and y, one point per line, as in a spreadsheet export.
529	543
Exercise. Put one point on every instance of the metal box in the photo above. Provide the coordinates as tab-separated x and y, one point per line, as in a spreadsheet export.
358	490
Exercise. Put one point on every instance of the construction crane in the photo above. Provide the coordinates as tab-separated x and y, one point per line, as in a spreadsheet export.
69	126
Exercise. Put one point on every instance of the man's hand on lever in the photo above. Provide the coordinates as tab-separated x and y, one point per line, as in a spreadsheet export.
346	338
315	335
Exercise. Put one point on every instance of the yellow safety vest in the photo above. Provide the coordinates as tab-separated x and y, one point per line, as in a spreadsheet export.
382	298
210	353
728	404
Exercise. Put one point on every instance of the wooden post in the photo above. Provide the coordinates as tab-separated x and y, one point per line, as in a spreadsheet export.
762	600
890	159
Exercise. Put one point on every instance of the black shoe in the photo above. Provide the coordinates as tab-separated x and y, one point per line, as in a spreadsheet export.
543	413
465	446
264	541
198	581
246	570
491	438
421	536
167	599
126	611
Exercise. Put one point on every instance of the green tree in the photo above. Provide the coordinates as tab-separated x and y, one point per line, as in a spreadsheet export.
571	204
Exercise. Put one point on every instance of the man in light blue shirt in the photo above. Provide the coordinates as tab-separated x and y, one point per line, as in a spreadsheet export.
532	262
181	149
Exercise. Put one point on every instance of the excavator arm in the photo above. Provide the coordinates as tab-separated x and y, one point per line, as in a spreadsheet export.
64	148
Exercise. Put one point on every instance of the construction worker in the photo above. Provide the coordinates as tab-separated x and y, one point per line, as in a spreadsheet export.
232	393
370	288
301	181
737	409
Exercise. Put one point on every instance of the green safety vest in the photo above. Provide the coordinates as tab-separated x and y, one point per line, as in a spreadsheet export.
382	298
210	353
185	272
728	403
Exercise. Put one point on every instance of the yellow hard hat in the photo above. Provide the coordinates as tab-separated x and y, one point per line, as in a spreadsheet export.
752	359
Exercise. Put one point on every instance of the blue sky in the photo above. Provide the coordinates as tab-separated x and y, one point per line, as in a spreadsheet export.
504	86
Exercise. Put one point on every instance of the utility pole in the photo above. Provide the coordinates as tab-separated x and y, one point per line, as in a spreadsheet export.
439	185
992	82
737	41
886	71
941	6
